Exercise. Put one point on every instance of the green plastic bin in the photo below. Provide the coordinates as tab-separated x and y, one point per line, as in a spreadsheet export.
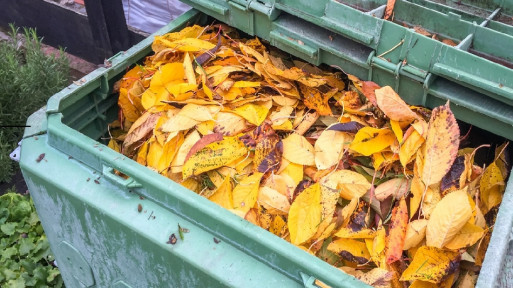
92	218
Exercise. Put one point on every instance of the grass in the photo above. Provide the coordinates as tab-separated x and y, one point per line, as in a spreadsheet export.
28	78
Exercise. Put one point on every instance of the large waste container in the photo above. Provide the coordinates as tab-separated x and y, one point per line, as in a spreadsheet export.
109	231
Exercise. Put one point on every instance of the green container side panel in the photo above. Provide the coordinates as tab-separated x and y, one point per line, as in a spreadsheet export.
470	15
501	27
364	6
102	223
485	42
445	25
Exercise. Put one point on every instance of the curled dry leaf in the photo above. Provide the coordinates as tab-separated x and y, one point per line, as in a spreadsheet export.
491	187
396	187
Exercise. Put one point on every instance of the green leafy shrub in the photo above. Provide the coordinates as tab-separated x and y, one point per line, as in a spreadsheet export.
25	256
28	78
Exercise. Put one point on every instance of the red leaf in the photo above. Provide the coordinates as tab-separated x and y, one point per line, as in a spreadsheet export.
397	232
368	88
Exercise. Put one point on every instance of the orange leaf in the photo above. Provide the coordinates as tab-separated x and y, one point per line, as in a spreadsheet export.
316	100
393	106
397	233
390	9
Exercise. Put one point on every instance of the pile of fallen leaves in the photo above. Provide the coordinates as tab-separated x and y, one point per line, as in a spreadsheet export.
341	168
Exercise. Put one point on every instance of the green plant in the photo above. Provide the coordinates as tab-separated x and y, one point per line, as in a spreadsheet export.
25	256
28	77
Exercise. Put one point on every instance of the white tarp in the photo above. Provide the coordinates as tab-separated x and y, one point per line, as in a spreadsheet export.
150	15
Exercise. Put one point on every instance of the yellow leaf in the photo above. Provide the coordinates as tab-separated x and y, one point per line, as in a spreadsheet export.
329	199
410	147
190	45
197	112
169	151
286	126
351	250
142	154
348	233
278	226
441	147
305	214
298	150
246	192
273	201
448	217
214	155
113	144
383	159
348	210
415	233
140	129
179	90
351	184
206	127
377	277
282	115
491	187
392	105
430	264
369	140
397	187
294	171
245	84
417	190
178	161
284	184
253	113
188	117
423	284
229	124
188	32
467	236
285	101
189	71
376	247
328	148
398	132
223	195
155	151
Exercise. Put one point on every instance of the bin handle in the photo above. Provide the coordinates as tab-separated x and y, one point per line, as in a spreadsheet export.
109	173
277	37
308	281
